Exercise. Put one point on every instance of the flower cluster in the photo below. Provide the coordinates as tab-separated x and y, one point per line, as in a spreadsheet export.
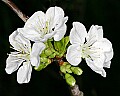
33	47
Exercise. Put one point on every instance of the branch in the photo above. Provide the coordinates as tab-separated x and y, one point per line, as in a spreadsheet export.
16	9
75	91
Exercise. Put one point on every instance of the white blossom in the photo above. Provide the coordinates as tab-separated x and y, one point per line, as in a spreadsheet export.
24	57
42	26
91	46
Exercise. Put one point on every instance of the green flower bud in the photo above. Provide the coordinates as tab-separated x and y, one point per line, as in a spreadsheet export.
70	79
43	65
48	52
52	55
76	70
43	54
43	59
63	69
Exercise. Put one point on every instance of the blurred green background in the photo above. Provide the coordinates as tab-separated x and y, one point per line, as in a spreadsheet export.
48	82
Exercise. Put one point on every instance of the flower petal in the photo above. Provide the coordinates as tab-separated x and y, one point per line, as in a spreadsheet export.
109	55
73	55
98	59
19	42
99	31
78	33
95	68
95	34
104	44
60	33
12	40
24	73
37	18
53	14
55	10
107	64
35	54
12	63
30	34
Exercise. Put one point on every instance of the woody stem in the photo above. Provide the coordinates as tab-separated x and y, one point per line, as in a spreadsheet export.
16	9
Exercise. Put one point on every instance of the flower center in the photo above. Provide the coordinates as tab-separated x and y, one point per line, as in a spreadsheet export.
90	52
42	27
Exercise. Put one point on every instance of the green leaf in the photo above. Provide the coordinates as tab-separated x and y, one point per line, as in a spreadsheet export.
76	70
70	79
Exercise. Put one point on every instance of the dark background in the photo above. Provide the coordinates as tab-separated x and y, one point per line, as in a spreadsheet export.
48	82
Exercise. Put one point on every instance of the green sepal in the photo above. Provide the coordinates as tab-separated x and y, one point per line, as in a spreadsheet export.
60	46
70	79
76	70
52	55
48	52
65	68
44	62
43	54
43	59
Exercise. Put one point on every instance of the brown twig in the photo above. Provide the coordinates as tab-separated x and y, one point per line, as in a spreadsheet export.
16	9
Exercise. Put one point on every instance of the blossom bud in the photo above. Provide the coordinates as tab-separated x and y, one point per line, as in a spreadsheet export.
76	70
70	79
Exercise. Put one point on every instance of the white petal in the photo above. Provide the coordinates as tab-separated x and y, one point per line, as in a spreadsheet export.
48	36
104	44
108	55
36	19
60	33
95	68
23	42
98	59
54	12
95	34
24	73
99	31
12	63
19	42
35	54
78	33
73	55
54	15
107	64
12	40
30	34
